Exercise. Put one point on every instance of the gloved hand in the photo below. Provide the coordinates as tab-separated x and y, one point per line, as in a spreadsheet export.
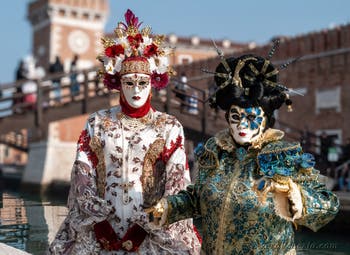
296	202
157	214
288	200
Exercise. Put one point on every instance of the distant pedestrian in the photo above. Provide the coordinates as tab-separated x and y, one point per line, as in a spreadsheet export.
192	103
34	73
56	67
333	152
212	90
74	84
305	139
21	71
346	150
181	88
18	96
347	178
325	144
343	179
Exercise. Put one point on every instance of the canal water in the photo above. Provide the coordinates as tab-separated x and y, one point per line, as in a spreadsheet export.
29	222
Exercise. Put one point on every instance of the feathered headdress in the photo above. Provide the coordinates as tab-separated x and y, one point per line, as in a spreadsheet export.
134	51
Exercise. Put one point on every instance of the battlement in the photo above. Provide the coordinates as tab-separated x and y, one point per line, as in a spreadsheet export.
97	5
307	44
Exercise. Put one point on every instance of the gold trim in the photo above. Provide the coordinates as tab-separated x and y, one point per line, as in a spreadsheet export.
280	179
225	141
153	153
306	171
280	150
127	245
158	39
96	147
107	42
253	69
291	252
135	66
224	209
273	72
270	135
264	68
146	31
136	123
236	78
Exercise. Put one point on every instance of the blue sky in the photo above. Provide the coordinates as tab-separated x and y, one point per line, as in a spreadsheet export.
241	21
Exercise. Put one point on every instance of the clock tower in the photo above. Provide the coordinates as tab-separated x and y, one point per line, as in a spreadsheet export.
66	28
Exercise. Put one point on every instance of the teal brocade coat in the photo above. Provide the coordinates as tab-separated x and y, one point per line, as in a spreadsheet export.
234	220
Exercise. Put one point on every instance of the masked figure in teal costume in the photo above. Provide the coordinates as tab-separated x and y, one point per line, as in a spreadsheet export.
253	188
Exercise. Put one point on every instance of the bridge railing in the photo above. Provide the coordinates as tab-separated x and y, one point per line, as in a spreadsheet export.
28	95
44	95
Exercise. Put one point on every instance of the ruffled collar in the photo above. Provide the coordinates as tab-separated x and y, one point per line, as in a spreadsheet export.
225	141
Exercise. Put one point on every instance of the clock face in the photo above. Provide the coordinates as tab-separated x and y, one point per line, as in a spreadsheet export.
78	41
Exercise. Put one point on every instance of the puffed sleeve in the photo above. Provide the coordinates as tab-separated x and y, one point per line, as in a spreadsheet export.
85	206
281	160
178	174
320	205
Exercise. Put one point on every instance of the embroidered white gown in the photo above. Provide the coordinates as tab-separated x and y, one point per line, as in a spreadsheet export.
121	167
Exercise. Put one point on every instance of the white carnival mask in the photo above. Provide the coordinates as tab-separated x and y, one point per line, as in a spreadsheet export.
246	124
136	88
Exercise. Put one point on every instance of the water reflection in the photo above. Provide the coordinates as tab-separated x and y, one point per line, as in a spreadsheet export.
13	221
29	223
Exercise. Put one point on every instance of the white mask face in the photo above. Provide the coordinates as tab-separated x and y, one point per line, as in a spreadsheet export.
136	89
246	124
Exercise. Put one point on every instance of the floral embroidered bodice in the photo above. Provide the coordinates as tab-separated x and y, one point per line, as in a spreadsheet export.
123	166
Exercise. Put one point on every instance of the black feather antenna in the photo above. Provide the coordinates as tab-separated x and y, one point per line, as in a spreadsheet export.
221	55
276	42
284	66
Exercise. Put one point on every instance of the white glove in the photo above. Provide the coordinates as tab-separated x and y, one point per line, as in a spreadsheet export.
296	201
288	200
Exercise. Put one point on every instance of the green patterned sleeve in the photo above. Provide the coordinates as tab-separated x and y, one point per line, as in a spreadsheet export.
320	204
182	205
186	204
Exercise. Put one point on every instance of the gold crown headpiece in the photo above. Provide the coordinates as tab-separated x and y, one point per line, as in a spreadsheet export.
135	51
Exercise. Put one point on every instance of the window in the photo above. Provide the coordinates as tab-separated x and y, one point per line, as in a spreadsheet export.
328	99
184	59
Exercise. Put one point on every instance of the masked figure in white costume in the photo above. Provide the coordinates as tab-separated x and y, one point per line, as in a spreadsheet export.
128	158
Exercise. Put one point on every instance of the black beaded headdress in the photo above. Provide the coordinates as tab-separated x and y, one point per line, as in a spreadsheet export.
250	80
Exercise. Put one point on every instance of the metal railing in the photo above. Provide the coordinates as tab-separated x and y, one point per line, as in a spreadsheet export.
45	96
13	102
